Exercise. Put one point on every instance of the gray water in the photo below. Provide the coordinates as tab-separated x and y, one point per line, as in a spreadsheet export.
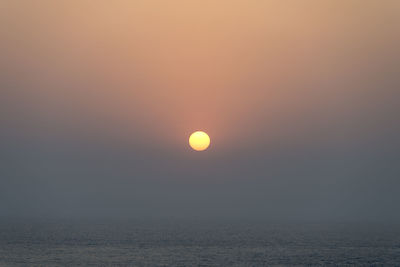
170	243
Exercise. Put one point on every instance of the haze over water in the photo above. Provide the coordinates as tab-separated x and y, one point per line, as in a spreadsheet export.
300	99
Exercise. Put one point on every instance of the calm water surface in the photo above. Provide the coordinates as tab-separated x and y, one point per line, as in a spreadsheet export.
198	244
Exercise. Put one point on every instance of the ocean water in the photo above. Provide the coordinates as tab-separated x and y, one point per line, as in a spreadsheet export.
198	244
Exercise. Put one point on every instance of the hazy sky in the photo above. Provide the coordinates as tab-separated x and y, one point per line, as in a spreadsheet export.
300	99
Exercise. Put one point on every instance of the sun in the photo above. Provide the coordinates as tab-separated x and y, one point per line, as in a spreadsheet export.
199	141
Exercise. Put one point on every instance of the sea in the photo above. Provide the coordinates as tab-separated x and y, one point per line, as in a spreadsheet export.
198	243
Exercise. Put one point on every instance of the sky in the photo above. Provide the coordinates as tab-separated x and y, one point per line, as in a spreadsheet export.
300	99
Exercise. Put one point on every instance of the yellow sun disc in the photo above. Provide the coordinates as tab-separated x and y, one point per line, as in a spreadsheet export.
199	141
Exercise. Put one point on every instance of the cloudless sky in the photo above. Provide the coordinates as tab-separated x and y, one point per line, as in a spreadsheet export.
300	99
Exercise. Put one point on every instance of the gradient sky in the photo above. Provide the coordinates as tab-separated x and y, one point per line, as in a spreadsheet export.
300	99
